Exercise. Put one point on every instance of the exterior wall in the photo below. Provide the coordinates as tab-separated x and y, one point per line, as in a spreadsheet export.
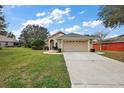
3	44
10	44
59	43
62	45
117	46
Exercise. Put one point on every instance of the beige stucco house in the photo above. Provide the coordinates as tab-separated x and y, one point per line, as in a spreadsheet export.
70	42
7	42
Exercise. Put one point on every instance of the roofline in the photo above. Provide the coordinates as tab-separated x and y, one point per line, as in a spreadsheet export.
112	42
8	41
56	34
75	38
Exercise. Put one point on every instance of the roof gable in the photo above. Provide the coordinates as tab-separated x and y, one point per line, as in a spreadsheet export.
56	34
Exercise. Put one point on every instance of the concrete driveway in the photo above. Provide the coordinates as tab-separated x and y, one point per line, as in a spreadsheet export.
92	70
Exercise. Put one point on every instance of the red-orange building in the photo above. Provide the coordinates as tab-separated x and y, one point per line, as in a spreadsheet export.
112	44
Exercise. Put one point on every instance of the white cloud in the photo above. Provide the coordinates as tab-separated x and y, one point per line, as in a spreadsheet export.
85	30
111	36
71	17
92	23
42	22
13	6
81	12
61	21
55	15
41	14
58	14
53	32
81	33
56	30
110	29
72	29
18	32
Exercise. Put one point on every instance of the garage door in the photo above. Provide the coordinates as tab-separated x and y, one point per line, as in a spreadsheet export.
75	46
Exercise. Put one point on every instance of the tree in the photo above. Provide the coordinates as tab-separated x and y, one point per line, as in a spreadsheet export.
100	36
2	22
38	44
3	25
11	35
111	15
31	33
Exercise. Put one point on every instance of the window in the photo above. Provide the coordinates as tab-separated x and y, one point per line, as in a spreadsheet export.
6	43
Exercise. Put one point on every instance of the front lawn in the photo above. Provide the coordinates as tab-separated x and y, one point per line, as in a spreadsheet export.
118	55
23	67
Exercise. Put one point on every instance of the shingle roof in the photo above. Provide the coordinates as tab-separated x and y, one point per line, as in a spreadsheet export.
115	39
72	35
6	39
75	36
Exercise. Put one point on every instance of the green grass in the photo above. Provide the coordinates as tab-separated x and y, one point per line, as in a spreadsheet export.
23	67
118	55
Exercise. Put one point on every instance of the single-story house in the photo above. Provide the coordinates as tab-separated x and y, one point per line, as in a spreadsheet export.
7	42
112	44
70	42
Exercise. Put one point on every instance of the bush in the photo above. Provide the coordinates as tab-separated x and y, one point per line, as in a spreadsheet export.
92	50
36	48
28	45
37	44
0	48
46	48
59	50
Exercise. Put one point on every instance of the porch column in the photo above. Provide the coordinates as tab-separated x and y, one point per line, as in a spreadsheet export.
49	44
90	44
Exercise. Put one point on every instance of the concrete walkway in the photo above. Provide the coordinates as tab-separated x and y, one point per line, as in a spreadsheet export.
92	70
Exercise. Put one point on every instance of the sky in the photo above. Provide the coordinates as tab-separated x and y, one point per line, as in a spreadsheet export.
81	19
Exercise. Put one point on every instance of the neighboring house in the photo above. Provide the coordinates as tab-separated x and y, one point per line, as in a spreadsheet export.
70	42
112	44
7	42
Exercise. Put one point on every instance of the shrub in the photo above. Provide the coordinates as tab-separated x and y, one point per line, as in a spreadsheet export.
28	45
36	48
46	48
92	50
37	44
59	50
0	48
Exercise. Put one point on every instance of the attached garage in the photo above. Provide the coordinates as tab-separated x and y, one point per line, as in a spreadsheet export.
75	46
71	42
